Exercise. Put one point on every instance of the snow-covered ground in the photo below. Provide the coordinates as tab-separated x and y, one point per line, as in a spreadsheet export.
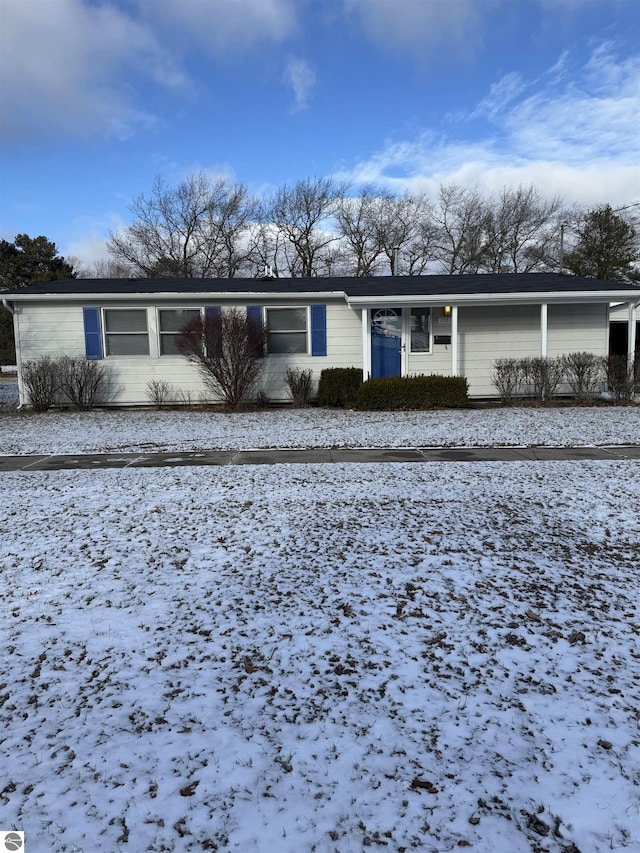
320	658
96	431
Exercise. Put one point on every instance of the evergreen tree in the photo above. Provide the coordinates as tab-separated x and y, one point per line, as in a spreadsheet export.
25	261
606	248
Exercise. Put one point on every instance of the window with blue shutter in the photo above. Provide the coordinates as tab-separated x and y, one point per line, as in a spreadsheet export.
214	313
318	330
92	333
254	315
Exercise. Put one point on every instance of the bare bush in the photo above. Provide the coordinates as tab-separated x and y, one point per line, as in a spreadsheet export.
41	378
583	373
541	376
184	398
83	383
623	378
507	377
300	384
159	392
228	350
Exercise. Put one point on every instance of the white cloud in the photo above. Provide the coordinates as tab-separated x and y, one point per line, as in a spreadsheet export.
595	115
302	78
63	68
225	27
418	26
500	95
579	141
86	241
79	67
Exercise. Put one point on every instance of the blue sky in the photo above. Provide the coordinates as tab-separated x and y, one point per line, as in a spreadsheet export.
97	98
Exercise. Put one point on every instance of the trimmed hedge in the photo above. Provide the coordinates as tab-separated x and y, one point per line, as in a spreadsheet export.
338	386
413	392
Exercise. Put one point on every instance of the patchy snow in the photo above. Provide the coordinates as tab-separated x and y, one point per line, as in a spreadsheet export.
8	390
96	431
321	658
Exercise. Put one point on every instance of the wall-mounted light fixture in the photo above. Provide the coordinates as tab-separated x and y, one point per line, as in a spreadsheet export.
447	310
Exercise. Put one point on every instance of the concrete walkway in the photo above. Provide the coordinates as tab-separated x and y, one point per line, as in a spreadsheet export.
317	455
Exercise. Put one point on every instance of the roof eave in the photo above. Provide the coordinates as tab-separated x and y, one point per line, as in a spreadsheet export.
476	299
204	297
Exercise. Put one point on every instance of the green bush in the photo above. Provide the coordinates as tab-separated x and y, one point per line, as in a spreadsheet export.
413	392
338	386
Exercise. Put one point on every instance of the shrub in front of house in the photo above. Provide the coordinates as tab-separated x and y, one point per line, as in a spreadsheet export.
623	378
83	383
41	378
300	384
535	378
338	386
541	376
584	374
69	380
507	377
412	392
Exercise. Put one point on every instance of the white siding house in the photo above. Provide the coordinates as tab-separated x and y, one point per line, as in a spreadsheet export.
385	326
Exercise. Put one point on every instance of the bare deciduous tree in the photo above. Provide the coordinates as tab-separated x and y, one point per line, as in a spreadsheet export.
302	216
405	226
523	231
107	268
228	350
360	228
461	216
194	230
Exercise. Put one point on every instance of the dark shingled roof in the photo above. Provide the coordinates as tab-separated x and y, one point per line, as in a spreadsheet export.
426	285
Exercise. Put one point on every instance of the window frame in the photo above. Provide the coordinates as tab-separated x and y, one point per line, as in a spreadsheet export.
162	334
133	334
429	334
307	328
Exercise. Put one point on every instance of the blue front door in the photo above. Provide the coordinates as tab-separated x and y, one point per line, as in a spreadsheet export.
386	342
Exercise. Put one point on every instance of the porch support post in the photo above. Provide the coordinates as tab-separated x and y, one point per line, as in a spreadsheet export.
631	336
454	340
366	345
544	329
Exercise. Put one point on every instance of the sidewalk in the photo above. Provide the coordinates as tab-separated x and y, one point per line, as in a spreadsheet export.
316	455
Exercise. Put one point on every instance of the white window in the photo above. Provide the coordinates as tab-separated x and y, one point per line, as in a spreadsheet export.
420	329
287	330
170	322
125	331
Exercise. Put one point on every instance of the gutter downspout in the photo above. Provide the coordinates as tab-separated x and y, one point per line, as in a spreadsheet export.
14	314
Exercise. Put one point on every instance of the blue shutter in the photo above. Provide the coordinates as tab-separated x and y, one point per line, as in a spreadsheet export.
254	313
214	312
92	333
318	330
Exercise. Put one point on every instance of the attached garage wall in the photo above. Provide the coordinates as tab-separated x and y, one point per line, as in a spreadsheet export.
577	328
488	333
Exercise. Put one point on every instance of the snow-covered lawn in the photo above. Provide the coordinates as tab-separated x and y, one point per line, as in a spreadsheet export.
321	658
96	431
